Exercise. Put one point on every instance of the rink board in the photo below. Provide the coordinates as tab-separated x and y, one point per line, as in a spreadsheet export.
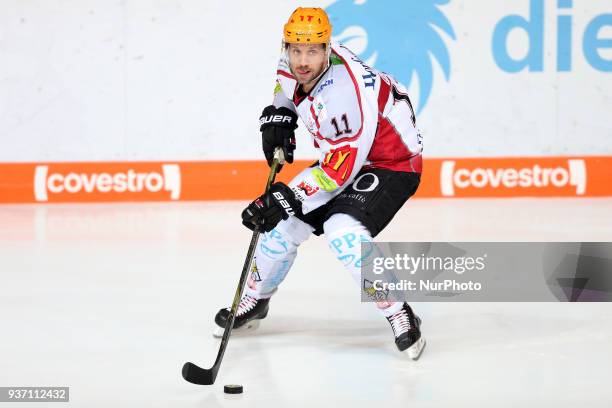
241	180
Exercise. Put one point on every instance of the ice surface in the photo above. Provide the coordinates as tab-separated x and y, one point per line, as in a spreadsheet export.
111	300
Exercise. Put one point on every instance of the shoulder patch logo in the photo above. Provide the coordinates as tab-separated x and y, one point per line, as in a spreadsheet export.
278	88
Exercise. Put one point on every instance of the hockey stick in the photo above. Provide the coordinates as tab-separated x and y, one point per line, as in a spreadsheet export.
202	376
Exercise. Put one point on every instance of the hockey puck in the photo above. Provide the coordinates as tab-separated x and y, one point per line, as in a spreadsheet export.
232	389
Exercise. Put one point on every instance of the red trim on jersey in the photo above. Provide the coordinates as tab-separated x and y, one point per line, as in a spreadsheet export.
416	162
285	74
314	116
299	95
297	99
383	94
389	151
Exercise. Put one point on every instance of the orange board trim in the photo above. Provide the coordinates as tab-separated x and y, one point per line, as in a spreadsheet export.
65	182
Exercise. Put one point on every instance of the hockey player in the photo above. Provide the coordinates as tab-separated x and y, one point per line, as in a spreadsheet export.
363	125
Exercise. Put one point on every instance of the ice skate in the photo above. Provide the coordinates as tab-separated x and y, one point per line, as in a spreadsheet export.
406	328
249	314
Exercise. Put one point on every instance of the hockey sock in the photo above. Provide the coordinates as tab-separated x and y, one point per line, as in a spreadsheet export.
274	255
345	235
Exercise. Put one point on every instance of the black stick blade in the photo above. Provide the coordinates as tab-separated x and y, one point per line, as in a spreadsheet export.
198	375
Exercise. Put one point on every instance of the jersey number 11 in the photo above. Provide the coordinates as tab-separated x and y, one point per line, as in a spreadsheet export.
346	130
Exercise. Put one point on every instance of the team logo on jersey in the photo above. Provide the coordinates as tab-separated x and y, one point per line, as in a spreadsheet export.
402	37
338	163
320	110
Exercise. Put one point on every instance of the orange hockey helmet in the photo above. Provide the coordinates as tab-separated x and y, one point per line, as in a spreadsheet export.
308	25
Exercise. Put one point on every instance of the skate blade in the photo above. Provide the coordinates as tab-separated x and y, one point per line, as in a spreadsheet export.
414	351
250	326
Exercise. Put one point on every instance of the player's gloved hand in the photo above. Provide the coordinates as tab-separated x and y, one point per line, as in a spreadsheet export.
278	130
268	209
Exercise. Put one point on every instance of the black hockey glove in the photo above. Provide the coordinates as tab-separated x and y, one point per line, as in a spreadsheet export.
278	130
268	209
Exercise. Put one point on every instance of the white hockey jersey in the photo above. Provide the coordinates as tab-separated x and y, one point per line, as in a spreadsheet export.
358	118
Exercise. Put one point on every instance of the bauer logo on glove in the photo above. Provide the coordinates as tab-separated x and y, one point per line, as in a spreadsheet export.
284	203
270	208
275	119
277	126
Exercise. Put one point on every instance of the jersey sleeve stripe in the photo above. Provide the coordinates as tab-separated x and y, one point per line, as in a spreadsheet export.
314	116
383	95
285	74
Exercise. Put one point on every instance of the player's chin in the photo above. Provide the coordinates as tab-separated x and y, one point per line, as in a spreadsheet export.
306	79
